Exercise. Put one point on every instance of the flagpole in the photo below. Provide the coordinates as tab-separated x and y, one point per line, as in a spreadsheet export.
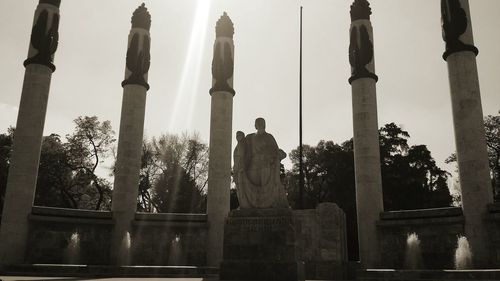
301	161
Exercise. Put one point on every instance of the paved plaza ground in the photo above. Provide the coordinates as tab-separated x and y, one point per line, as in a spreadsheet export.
20	278
32	278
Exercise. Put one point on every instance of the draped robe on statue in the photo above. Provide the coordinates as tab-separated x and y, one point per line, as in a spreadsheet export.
257	172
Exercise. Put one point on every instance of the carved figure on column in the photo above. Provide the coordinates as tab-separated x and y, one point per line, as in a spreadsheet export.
454	22
360	53
257	170
45	40
138	53
222	63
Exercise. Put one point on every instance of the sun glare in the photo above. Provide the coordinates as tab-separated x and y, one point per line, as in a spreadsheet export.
185	99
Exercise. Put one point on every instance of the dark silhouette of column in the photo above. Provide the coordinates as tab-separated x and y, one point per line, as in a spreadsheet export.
128	162
221	122
28	135
470	139
369	199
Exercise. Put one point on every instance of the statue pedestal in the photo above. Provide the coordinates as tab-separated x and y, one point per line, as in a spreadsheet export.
259	244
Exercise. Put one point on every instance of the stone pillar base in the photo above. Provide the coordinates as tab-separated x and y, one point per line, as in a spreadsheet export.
259	244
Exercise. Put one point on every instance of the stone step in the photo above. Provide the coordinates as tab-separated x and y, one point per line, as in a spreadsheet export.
427	275
63	270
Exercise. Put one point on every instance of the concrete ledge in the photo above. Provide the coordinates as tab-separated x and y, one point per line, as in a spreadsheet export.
184	224
261	212
390	274
62	212
69	220
423	213
59	270
177	217
422	221
70	216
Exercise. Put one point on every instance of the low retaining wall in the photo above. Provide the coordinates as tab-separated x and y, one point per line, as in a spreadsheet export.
156	239
493	219
437	230
169	239
50	231
173	239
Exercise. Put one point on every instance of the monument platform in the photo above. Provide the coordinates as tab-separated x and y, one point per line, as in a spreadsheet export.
259	244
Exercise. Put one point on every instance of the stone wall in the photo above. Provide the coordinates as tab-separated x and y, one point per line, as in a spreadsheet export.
437	230
493	219
156	239
50	231
321	241
169	239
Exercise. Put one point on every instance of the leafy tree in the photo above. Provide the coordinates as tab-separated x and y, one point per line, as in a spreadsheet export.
410	176
173	174
5	151
67	170
492	127
86	148
329	177
54	175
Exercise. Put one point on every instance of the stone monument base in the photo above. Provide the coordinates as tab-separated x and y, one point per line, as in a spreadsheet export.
259	244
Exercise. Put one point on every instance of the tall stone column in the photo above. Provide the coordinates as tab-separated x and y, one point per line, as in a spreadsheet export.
23	172
128	162
221	122
470	140
369	199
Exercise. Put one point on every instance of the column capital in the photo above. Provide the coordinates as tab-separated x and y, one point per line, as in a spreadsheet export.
360	10
141	18
224	27
56	3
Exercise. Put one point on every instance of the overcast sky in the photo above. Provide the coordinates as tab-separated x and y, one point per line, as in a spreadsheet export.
413	89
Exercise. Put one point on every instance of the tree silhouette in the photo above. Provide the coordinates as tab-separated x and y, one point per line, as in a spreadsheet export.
410	176
174	174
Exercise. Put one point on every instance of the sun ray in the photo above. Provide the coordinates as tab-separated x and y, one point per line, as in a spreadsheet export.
182	113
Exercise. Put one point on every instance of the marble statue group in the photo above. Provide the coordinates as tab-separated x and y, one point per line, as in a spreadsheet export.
256	170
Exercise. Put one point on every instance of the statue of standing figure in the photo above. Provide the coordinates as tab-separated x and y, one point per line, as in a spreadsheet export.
256	170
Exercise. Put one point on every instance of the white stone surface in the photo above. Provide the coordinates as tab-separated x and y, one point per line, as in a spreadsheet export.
25	158
470	141
128	160
128	163
473	167
219	167
369	198
219	173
